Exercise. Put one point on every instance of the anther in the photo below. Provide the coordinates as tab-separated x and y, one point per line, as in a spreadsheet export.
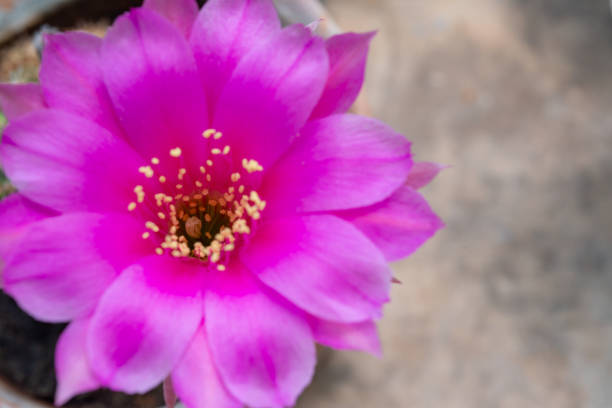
176	152
146	170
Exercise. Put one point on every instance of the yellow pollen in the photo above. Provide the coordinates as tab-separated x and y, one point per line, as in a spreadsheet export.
139	191
218	135
131	206
179	186
176	152
161	215
152	226
155	160
208	178
209	162
226	149
251	165
202	169
159	251
198	184
208	133
147	171
221	267
145	235
215	151
235	177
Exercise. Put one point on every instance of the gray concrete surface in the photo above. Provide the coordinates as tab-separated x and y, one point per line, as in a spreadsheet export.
511	304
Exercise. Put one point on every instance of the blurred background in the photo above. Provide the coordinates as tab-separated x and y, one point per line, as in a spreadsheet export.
511	304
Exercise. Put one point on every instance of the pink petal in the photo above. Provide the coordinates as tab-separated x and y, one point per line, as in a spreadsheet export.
322	264
72	80
263	350
19	99
16	214
271	94
361	336
153	82
225	31
68	163
348	54
181	13
341	161
60	271
422	173
144	323
74	375
398	225
196	379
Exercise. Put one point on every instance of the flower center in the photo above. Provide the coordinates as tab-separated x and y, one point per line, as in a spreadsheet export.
187	217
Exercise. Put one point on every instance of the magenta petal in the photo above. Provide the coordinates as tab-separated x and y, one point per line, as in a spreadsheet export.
347	58
225	31
196	379
68	163
144	323
181	13
263	350
72	80
67	262
152	79
19	99
322	264
271	94
361	336
339	162
398	225
422	173
74	375
16	214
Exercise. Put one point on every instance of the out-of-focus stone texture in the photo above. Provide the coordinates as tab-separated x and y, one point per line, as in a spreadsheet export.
510	305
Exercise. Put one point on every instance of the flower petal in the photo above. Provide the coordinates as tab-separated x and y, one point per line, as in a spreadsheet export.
74	375
422	173
339	162
322	264
19	99
225	31
262	348
72	80
348	54
68	163
152	79
181	13
271	94
144	323
61	268
16	214
399	225
196	380
360	336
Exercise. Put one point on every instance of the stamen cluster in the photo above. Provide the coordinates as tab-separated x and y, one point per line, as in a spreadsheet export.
197	221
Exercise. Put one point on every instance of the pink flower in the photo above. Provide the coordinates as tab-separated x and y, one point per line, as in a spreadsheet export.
195	200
